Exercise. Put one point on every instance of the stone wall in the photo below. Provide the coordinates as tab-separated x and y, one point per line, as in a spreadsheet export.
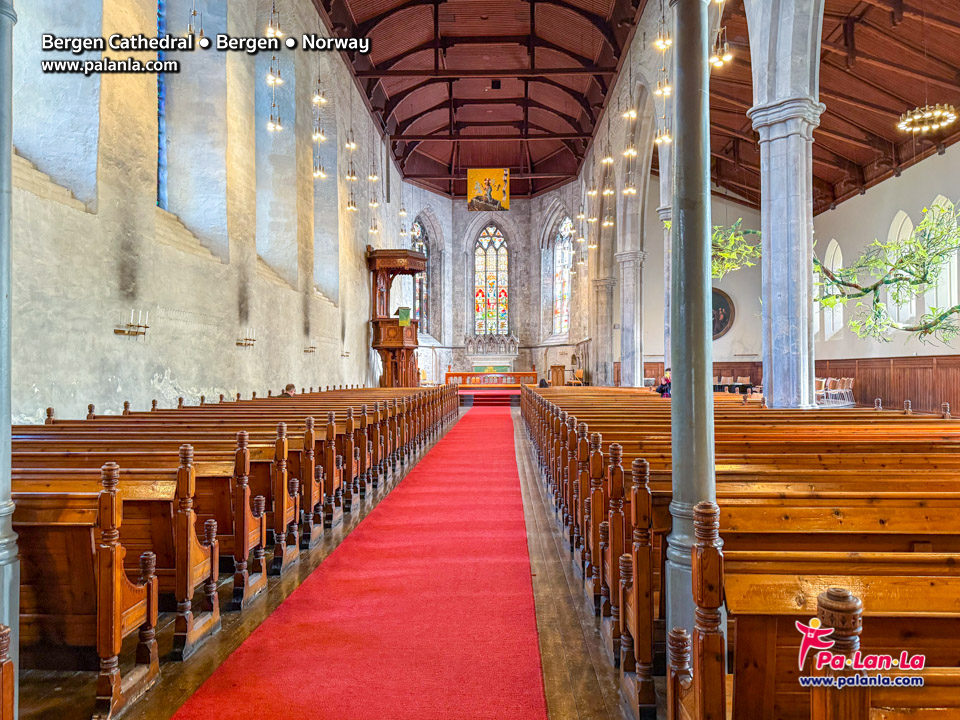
85	254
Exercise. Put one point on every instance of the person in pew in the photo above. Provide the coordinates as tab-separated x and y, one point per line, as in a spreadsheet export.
289	391
664	387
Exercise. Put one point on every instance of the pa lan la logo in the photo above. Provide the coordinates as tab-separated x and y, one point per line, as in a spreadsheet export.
817	637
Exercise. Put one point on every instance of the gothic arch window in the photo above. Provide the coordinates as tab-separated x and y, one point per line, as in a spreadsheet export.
419	241
491	283
833	317
900	229
562	262
946	293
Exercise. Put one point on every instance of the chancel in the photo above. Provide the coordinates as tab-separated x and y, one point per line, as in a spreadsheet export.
479	359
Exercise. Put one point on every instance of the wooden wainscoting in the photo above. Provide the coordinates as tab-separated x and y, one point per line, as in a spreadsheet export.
752	369
925	381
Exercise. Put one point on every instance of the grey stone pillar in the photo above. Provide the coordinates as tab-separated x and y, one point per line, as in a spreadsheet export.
9	560
665	213
786	167
692	356
603	339
631	318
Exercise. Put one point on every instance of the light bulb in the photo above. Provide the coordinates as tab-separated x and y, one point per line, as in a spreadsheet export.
727	55
374	203
592	192
581	215
631	151
607	157
373	177
630	113
403	211
607	190
592	219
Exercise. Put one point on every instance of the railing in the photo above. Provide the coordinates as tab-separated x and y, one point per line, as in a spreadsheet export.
491	378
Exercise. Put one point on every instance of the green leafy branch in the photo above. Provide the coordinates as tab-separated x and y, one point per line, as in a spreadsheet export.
729	248
886	274
901	270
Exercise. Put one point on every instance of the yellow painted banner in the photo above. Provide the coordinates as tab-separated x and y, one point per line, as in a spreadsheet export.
488	189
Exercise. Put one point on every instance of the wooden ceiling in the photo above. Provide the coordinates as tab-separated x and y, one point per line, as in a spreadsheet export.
879	58
463	84
503	83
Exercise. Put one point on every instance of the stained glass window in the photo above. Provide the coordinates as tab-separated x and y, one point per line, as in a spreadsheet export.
491	283
421	281
562	261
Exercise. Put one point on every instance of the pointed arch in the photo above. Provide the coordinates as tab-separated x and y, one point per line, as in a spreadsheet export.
833	317
946	292
901	229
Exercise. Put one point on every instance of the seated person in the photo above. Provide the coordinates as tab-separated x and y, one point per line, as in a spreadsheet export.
664	387
289	391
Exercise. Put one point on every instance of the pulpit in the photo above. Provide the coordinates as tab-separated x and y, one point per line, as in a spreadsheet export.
397	344
557	375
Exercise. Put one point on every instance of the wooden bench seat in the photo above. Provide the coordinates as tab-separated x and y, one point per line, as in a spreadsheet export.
74	588
903	602
159	517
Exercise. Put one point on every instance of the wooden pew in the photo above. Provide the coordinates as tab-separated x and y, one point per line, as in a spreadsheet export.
75	591
910	602
159	518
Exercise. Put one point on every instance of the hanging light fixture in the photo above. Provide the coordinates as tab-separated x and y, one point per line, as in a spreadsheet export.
351	172
403	210
607	220
592	219
663	41
630	151
580	214
351	143
195	24
274	124
373	176
351	203
593	244
592	191
663	88
607	189
273	26
403	229
721	49
629	185
319	171
318	134
928	118
374	228
663	136
374	202
274	77
580	237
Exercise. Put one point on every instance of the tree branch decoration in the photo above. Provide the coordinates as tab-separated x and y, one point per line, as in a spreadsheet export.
729	248
899	269
902	270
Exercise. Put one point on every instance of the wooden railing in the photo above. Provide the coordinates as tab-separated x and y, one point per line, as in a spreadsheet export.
491	378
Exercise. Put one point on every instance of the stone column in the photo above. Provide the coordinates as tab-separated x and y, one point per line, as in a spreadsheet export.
603	339
631	318
786	167
665	213
692	403
9	561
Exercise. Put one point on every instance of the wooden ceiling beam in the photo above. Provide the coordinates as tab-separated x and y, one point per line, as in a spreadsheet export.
896	7
490	138
487	73
884	64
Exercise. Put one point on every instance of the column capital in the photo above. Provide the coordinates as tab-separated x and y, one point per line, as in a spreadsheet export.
6	8
799	115
665	213
630	256
605	283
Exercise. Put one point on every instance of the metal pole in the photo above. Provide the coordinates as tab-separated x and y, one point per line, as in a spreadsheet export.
691	311
9	561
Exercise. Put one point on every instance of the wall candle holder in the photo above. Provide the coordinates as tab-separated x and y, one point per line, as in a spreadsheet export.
134	329
249	338
310	350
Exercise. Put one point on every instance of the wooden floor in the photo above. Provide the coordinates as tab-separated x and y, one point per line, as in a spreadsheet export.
580	681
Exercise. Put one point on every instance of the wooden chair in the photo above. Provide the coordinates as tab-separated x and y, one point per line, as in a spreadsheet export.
726	380
743	380
577	377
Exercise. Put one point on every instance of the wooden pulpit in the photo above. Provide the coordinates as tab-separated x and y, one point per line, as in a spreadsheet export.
557	375
397	344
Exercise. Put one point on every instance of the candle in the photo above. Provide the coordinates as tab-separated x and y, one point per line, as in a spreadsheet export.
131	316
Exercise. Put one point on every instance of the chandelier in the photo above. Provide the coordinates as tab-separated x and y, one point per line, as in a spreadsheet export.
928	118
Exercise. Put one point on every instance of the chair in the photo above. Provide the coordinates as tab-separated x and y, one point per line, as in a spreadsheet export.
819	390
727	380
577	377
743	380
716	380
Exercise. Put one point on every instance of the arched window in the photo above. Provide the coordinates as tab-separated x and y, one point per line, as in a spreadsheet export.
562	262
491	270
421	281
833	317
900	229
946	293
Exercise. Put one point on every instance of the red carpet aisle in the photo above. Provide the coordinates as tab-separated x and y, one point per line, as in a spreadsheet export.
424	611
